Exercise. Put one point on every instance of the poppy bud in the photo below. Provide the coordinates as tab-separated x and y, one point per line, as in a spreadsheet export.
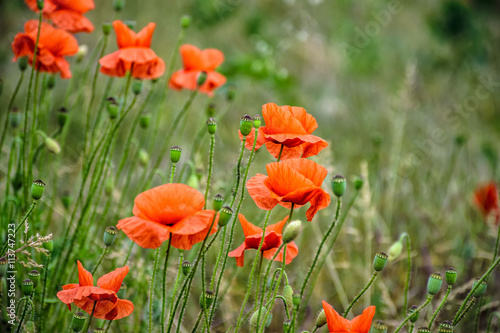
225	215
52	145
3	267
395	250
37	189
358	183
460	140
212	126
186	267
35	277
109	185
292	231
106	28
246	125
434	283
143	157
255	317
39	4
338	185
481	290
62	116
321	319
451	276
218	201
202	77
379	327
118	5
231	92
296	298
49	245
414	315
112	107
185	21
17	181
29	327
27	287
99	330
145	120
66	200
82	52
109	235
15	117
23	63
379	261
137	87
210	111
175	154
287	324
288	296
445	327
423	330
257	121
206	299
121	292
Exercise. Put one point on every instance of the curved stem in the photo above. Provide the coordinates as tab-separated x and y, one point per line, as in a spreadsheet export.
21	223
104	252
374	276
408	270
490	321
417	310
443	302
22	316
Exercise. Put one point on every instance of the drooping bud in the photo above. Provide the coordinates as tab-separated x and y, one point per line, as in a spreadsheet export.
185	21
82	52
451	276
379	327
413	313
186	267
246	125
27	287
106	28
122	291
143	158
145	120
434	284
3	266
112	107
175	154
321	319
206	299
15	117
37	189
202	77
29	327
358	183
62	116
210	110
49	245
423	330
35	277
52	145
218	201
109	235
212	126
379	261
109	186
395	250
288	296
339	185
481	290
23	63
291	231
445	327
296	298
255	317
137	87
118	5
225	215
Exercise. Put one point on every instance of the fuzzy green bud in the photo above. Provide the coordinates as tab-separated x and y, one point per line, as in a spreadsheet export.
225	215
395	250
481	290
206	299
379	261
212	126
37	189
210	110
413	313
112	107
145	120
202	77
137	87
255	317
296	298
379	327
321	319
27	287
35	277
358	183
39	4
3	267
175	154
292	231
451	276
246	125
62	116
118	5
49	245
122	291
423	330
257	121
460	140
218	201
23	63
185	21
143	158
445	327
186	267
288	296
106	28
109	235
30	327
15	117
434	284
52	145
109	186
339	185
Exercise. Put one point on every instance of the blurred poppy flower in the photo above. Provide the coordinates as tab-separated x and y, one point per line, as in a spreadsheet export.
134	54
296	181
196	61
66	14
53	45
84	294
170	210
338	324
290	126
272	241
486	199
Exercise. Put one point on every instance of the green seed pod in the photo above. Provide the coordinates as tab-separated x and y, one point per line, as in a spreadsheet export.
29	327
212	126
23	63
27	287
175	154
246	125
296	298
145	120
35	277
321	319
379	327
62	116
143	158
49	245
225	215
37	189
122	291
379	261
257	121
288	296
137	87
99	330
66	200
118	5
218	201
358	183
451	276
186	268
39	4
77	322
255	317
185	21
210	111
3	267
423	330
15	117
202	77
231	92
434	283
292	231
106	28
206	299
112	107
481	290
109	235
445	327
17	181
339	185
414	315
395	250
51	80
52	146
109	185
287	324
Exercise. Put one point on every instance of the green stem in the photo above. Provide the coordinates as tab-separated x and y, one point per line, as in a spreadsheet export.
21	223
179	272
22	316
164	294
443	302
128	253
152	289
281	150
408	271
42	303
210	167
86	329
490	321
172	173
9	109
374	276
238	172
464	313
478	314
417	310
104	252
33	126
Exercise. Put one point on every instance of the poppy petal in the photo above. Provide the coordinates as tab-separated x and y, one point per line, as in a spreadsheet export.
308	122
287	153
336	323
184	80
186	242
291	252
139	55
149	70
145	35
248	228
145	233
122	309
84	276
214	80
280	119
320	201
363	322
260	193
71	21
193	224
250	138
277	227
271	240
239	254
191	57
81	6
309	169
282	179
112	65
113	281
67	296
212	58
125	37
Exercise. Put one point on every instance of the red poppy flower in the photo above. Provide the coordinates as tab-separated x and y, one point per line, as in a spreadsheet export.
486	199
290	126
134	54
170	210
53	45
84	294
338	324
296	181
66	14
272	241
197	61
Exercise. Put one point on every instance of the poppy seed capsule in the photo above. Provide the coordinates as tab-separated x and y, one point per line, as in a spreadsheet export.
137	87
37	189
62	116
246	125
202	77
288	296
339	185
99	330
481	290
321	319
121	292
218	201
29	327
51	81
225	215
287	324
257	121
112	107
52	146
212	126
186	267
3	266
445	327
77	322
292	231
395	250
145	120
206	299
185	21
23	63
175	154
106	28
118	5
296	298
49	246
39	4
27	287
379	327
414	315
423	330
451	276
434	284
109	235
358	183
35	277
379	261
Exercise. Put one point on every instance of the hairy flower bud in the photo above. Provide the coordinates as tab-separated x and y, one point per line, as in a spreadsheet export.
291	231
288	296
395	250
321	319
52	145
296	298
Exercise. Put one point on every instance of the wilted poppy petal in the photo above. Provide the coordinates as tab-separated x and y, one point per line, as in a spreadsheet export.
336	323
113	280
145	233
363	322
260	193
239	254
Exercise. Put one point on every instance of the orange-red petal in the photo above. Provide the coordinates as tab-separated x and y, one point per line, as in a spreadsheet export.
84	277
291	252
363	322
145	233
125	37
260	193
71	21
248	228
239	254
113	280
335	322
